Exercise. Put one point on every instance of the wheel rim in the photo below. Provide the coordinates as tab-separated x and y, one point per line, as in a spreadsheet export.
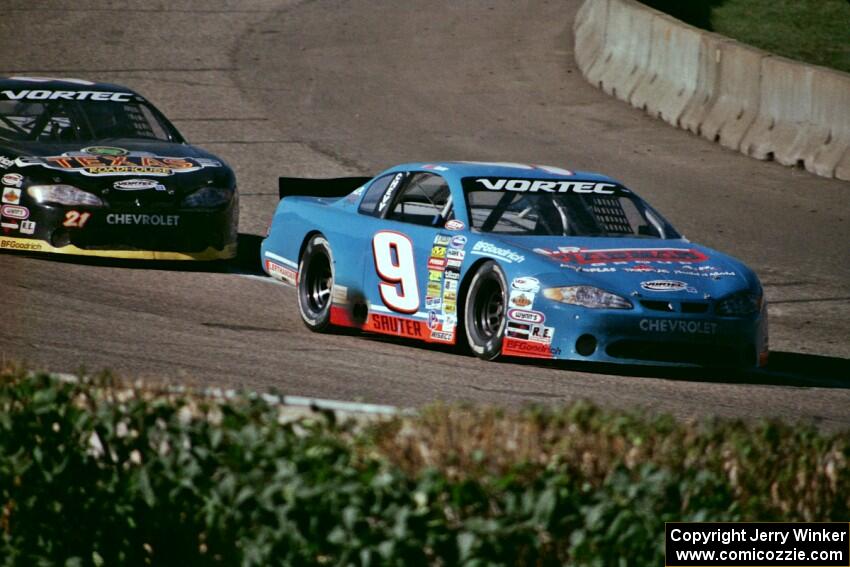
489	309
319	283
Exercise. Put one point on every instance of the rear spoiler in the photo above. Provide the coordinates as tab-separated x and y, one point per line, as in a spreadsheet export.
335	187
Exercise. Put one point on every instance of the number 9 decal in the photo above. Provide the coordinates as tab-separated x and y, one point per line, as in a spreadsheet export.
395	265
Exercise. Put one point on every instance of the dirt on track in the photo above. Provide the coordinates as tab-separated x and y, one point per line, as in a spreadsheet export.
325	88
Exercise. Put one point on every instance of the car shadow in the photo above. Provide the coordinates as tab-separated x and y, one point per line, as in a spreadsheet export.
247	260
791	369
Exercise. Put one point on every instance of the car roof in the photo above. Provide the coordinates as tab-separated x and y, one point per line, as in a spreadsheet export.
55	84
459	169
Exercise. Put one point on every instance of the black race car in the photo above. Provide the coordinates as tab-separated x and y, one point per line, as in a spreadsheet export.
94	169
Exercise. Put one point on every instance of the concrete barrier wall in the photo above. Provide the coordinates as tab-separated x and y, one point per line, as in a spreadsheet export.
672	46
738	93
746	99
590	32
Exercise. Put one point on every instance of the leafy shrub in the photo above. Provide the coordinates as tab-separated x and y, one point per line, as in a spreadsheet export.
97	472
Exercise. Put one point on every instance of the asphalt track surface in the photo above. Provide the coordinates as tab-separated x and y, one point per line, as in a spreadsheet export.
331	87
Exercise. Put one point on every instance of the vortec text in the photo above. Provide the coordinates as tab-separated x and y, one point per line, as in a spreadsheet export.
547	186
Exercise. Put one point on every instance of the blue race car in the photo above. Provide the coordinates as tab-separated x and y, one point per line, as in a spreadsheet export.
512	260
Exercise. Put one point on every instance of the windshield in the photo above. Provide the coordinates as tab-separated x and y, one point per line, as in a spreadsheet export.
80	120
560	207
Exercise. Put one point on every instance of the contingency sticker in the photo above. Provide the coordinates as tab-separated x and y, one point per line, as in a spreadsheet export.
444	265
526	333
11	196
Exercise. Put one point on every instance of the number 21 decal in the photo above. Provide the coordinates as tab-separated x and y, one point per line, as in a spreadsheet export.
76	219
395	265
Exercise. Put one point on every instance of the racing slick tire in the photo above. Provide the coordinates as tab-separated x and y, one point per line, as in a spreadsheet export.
315	284
485	311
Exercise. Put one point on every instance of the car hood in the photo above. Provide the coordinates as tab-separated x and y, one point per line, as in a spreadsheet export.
650	268
118	166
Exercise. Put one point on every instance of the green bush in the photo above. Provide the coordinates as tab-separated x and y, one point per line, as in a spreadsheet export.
100	473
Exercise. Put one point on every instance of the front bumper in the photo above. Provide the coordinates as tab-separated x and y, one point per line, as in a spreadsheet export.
145	234
644	337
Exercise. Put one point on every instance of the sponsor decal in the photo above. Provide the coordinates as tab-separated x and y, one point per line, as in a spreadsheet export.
16	245
103	96
449	295
456	264
434	289
388	194
9	225
6	163
27	227
11	196
555	170
678	326
449	307
526	316
531	349
517	330
433	320
280	272
483	248
451	283
15	212
455	254
442	240
438	251
715	275
339	293
442	336
105	151
454	224
435	275
646	269
13	179
437	264
138	185
595	270
526	284
458	242
435	167
542	334
142	220
433	302
521	299
134	163
390	325
663	285
573	255
546	186
452	274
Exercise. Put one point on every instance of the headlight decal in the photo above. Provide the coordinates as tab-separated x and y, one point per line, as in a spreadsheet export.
587	296
740	304
208	197
61	194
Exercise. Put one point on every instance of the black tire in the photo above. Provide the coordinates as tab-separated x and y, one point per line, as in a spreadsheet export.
315	284
485	311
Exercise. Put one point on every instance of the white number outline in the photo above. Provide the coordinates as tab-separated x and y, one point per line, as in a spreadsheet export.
407	299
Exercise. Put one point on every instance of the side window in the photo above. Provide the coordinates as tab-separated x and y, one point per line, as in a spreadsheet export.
425	200
375	193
